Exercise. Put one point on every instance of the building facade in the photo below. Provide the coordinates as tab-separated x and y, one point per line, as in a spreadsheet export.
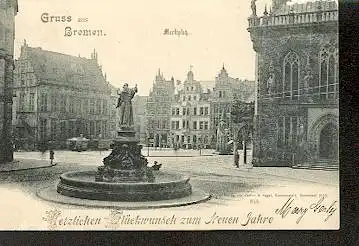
296	109
158	111
58	97
139	117
225	91
190	116
8	11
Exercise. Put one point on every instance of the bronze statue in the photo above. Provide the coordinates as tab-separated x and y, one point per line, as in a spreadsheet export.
125	106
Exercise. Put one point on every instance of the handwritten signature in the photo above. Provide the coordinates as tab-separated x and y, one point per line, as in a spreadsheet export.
318	207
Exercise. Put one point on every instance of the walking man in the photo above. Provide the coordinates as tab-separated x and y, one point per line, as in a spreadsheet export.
52	156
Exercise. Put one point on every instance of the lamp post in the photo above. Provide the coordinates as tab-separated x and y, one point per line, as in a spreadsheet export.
148	145
245	133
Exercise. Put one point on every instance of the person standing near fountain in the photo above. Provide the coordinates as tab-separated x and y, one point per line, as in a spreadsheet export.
124	105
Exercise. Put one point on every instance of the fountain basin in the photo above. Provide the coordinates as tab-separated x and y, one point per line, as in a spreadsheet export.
166	186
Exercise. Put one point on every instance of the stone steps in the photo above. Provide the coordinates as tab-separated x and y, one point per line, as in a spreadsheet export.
328	165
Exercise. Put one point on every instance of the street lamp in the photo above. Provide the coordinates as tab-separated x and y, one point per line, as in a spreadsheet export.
245	133
148	145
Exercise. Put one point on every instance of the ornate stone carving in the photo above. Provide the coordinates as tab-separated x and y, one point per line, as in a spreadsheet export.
307	82
271	79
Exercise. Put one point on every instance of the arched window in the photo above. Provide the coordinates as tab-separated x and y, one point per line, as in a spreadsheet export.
328	74
291	76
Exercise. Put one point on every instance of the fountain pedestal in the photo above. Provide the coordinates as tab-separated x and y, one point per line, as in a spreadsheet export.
124	175
126	162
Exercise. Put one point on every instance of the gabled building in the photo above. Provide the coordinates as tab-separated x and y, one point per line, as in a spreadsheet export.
225	91
297	83
158	111
58	97
190	115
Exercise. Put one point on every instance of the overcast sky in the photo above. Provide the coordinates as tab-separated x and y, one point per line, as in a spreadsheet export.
134	46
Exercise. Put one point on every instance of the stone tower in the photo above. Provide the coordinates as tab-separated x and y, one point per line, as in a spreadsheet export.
8	10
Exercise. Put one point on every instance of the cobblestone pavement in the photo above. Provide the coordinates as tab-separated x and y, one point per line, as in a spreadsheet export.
214	174
216	167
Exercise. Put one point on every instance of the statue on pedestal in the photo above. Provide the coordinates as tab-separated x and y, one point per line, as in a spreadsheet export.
253	7
125	162
270	81
124	104
307	81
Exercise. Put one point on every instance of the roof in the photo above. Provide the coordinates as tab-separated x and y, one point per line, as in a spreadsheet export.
53	67
311	6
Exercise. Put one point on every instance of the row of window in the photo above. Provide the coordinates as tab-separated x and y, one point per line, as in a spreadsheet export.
221	94
157	124
64	104
189	98
288	131
157	110
196	125
56	129
191	139
192	88
326	87
186	111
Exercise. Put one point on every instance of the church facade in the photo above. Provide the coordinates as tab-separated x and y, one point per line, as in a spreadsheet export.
297	83
8	11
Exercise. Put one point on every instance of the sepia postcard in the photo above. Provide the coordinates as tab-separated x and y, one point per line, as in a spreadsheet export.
169	115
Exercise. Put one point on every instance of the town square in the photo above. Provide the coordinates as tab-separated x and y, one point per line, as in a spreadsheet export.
170	125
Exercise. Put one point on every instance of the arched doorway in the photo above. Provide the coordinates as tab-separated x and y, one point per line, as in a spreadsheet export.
323	138
328	142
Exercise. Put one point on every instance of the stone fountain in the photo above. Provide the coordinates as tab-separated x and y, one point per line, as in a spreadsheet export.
124	175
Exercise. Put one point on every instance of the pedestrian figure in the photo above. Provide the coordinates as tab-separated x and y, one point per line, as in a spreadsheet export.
52	156
236	158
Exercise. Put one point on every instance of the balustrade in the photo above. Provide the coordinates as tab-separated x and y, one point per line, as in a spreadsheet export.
316	93
294	18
